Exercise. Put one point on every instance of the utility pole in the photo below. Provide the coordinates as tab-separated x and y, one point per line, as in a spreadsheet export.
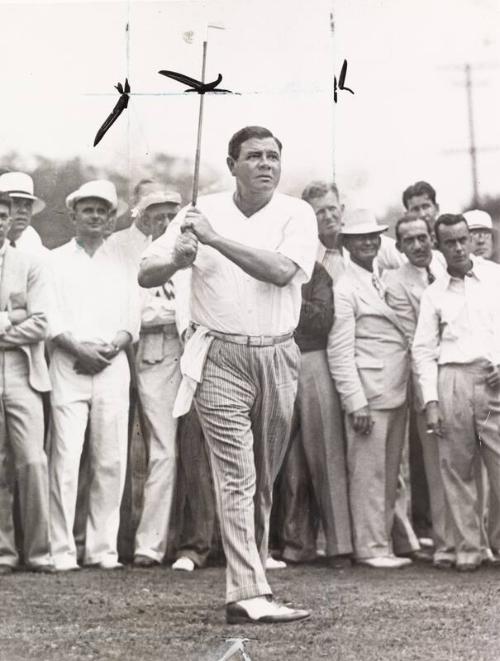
333	54
472	149
472	140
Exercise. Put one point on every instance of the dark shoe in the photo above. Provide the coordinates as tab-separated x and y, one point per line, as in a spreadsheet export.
443	563
145	561
468	566
6	569
340	561
271	612
42	569
420	555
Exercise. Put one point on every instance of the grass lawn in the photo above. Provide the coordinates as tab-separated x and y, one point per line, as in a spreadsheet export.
157	614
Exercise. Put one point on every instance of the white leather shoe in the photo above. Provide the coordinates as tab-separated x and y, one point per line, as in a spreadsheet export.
272	563
183	564
385	562
262	610
107	564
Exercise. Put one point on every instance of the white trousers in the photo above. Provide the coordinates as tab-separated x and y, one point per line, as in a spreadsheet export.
157	385
102	402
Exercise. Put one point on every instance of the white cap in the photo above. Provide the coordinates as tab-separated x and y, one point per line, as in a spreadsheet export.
477	219
361	221
19	184
157	197
100	188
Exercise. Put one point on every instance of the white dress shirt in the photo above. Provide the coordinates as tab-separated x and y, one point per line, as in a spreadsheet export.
95	296
225	298
459	322
30	243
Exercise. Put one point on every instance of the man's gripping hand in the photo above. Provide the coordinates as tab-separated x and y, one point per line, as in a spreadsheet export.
91	359
185	248
199	225
433	419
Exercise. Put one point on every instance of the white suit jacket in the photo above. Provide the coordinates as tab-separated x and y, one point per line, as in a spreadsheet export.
25	284
368	351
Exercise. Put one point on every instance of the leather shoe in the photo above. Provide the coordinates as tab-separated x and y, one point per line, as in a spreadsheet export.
6	569
468	566
340	561
184	564
385	562
42	569
420	555
145	561
109	565
272	563
443	563
271	612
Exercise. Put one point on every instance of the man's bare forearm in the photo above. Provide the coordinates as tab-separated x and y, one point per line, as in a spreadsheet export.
155	271
263	265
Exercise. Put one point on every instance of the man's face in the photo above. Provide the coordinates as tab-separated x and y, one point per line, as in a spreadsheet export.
22	210
455	243
363	248
421	206
5	222
158	216
328	212
90	217
258	167
415	242
482	242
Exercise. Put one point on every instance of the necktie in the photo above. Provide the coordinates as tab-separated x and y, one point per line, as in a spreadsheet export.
430	276
378	286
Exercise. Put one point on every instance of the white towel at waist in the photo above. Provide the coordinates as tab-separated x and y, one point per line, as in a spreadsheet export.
192	364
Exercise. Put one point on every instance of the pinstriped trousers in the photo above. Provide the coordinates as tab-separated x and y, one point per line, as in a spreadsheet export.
245	403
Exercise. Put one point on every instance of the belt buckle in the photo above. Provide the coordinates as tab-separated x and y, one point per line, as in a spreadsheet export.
256	340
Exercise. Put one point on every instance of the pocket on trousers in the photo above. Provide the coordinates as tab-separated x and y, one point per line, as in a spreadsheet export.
286	361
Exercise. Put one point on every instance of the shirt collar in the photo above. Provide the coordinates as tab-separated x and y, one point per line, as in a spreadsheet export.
3	249
366	276
477	271
80	250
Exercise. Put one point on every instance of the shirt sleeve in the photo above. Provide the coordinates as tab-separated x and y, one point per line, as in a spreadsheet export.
425	349
300	239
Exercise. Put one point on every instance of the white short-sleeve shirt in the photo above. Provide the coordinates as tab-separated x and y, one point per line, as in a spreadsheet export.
225	298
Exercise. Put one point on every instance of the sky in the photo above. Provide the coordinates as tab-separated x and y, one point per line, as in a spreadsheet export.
406	121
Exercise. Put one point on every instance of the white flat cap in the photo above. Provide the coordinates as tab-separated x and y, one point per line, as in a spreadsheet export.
100	188
158	197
